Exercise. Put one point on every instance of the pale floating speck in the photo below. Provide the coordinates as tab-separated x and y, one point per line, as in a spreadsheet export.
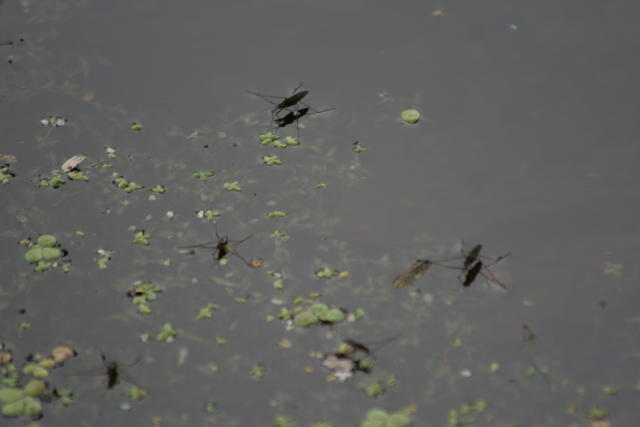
410	116
72	163
513	27
466	373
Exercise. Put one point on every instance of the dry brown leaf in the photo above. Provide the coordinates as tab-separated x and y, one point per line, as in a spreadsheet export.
72	163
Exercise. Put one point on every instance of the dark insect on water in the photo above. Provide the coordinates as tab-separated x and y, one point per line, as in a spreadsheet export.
286	103
11	42
222	247
290	117
407	278
472	273
472	267
286	111
528	336
291	101
472	256
112	370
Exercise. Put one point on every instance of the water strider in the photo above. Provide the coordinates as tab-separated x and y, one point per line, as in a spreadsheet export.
112	370
224	246
287	111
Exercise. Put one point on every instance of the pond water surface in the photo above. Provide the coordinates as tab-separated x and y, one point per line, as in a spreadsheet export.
527	144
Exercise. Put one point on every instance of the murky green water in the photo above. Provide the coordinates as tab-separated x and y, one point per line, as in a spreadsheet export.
526	144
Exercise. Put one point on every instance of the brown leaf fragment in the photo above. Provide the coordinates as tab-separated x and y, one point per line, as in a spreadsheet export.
72	163
408	277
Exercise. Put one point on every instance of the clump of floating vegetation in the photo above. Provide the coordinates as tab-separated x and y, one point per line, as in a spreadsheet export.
309	312
6	174
25	391
142	294
380	418
127	186
45	253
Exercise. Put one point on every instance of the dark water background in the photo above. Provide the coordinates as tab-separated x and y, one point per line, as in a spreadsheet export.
527	143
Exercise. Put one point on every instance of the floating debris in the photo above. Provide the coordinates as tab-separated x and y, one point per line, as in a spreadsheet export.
414	272
104	256
6	174
53	121
62	353
72	163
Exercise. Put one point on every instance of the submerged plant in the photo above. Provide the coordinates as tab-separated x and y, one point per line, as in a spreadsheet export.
27	400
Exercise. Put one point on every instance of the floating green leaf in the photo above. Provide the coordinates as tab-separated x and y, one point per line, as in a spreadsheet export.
232	186
257	371
613	269
598	413
57	179
141	238
168	334
47	240
136	126
77	176
6	174
35	388
335	315
127	186
268	137
136	393
358	148
205	312
10	394
410	116
142	294
291	141
284	421
276	214
305	319
272	160
34	254
203	176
